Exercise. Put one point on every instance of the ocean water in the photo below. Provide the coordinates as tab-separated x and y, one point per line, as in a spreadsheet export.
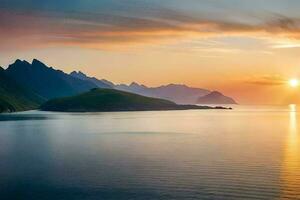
246	153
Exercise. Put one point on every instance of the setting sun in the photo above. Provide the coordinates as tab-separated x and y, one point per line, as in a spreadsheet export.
294	83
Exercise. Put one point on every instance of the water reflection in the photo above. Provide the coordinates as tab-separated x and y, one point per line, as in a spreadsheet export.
250	153
291	162
21	117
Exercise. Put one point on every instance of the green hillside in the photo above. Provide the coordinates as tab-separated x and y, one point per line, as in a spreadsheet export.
97	100
14	97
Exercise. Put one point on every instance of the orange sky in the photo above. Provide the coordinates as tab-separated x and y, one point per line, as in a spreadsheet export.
247	51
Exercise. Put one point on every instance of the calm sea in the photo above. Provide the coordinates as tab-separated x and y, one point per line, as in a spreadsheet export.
245	153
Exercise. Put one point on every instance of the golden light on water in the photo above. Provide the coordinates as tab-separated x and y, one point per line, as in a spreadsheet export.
294	82
291	162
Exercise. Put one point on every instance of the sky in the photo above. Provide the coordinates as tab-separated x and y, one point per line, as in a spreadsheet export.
245	49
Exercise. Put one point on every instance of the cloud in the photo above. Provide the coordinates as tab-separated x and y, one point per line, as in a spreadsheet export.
267	80
23	28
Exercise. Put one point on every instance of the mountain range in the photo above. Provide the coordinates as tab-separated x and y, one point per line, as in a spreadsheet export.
178	93
25	85
98	83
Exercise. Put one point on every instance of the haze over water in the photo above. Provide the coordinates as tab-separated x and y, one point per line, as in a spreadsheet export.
247	153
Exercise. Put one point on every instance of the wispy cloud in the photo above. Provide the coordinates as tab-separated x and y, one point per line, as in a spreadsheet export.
285	43
91	29
267	80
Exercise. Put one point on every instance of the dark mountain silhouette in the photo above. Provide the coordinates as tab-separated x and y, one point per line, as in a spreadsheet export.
99	100
50	83
99	83
215	98
13	97
46	81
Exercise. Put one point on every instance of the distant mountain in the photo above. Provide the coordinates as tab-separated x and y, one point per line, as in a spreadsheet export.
13	97
98	83
99	100
46	81
180	94
177	93
50	83
215	98
111	84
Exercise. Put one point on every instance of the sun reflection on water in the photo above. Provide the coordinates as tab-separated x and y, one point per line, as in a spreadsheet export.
291	160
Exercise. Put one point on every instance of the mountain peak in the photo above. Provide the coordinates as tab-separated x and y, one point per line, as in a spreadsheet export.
215	97
39	64
19	64
216	93
80	72
46	81
18	61
36	61
83	76
79	75
134	84
111	84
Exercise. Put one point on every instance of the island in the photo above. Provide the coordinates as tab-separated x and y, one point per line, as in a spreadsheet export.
107	100
215	97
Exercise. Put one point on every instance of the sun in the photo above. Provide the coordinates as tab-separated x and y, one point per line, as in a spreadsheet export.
294	82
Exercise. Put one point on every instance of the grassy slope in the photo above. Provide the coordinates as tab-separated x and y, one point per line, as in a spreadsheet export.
111	100
15	98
